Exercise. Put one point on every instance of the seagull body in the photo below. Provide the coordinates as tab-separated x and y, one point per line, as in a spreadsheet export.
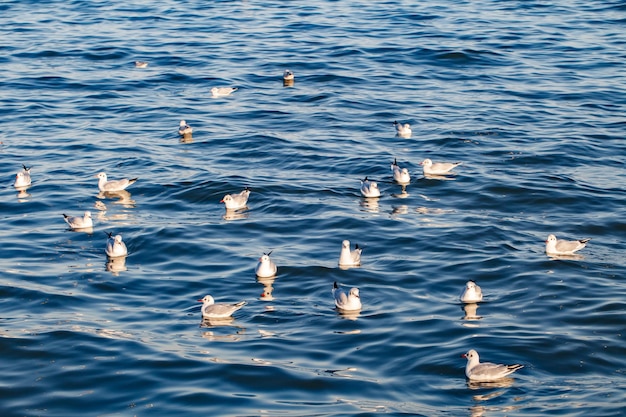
400	175
212	310
472	293
288	75
222	91
556	246
115	246
266	267
22	178
141	64
184	128
369	188
438	168
350	258
236	201
349	302
486	371
79	222
113	185
403	130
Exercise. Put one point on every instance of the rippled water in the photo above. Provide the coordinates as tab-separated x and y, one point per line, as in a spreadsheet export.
529	95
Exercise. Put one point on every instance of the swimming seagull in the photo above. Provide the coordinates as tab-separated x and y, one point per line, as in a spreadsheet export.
288	75
222	91
556	246
350	258
115	247
369	188
141	64
472	293
212	310
486	371
113	185
184	128
438	168
236	201
401	175
22	178
266	267
403	130
78	222
350	302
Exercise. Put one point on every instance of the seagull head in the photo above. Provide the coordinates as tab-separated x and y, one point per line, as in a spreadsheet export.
207	299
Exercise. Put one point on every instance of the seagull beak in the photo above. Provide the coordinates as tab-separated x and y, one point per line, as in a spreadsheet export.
200	300
464	355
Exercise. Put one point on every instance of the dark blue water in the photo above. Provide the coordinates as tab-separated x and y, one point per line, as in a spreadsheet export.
531	96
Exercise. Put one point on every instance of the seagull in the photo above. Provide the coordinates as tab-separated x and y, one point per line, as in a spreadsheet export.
486	371
350	302
184	128
556	246
266	267
115	246
222	91
113	185
22	178
369	188
141	64
350	258
78	222
472	293
438	168
403	130
288	75
401	175
236	201
211	310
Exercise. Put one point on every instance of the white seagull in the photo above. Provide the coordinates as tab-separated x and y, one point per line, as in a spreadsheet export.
212	310
78	222
403	130
222	91
350	258
141	64
22	178
472	293
556	246
236	201
113	185
266	267
486	371
184	128
115	246
438	168
400	175
369	188
288	75
350	302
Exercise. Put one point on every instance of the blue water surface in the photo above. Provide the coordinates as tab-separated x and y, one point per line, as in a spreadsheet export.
529	95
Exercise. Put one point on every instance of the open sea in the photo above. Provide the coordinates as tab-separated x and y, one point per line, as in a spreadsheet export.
529	95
